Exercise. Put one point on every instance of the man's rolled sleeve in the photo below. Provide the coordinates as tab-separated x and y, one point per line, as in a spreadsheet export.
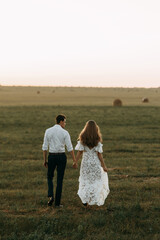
68	143
45	142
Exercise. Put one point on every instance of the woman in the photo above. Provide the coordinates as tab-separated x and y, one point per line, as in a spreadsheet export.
93	180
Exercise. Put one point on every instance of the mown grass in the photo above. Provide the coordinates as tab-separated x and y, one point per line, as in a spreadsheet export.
77	96
132	154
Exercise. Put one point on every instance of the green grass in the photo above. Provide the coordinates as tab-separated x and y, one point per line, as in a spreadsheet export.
131	144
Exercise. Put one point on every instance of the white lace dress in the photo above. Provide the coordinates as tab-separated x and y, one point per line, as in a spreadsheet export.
93	181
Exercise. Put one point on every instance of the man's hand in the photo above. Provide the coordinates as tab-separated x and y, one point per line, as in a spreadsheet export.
45	159
75	165
45	164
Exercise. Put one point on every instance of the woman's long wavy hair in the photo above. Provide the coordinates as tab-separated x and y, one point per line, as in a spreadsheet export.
90	135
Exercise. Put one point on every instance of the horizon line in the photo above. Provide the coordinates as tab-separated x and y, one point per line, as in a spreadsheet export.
65	86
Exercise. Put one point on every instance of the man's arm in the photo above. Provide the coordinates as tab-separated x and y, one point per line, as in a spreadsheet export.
74	159
45	148
45	158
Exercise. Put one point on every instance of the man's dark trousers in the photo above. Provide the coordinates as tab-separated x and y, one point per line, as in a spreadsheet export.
59	161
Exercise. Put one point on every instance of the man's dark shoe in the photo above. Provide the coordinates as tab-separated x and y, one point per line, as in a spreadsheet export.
50	202
59	206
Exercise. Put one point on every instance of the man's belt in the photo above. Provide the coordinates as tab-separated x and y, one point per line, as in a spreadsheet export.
60	153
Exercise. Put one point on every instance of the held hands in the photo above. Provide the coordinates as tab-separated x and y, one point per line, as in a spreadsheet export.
75	165
105	169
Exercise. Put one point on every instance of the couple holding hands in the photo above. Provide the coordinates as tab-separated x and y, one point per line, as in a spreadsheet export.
93	179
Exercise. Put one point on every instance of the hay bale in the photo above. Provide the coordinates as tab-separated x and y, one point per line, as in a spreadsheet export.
117	103
38	92
145	100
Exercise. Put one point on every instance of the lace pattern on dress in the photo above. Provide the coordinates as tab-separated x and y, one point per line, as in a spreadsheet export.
93	181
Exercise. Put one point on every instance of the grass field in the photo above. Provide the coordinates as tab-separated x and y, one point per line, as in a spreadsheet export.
69	96
131	138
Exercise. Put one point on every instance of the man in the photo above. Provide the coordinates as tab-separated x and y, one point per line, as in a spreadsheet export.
56	138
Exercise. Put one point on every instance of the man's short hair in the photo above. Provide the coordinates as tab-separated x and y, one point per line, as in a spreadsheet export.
59	118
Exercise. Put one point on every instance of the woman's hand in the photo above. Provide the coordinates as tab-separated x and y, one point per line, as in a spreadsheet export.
105	169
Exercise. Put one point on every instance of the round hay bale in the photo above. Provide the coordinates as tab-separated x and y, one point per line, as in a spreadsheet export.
145	100
117	103
38	92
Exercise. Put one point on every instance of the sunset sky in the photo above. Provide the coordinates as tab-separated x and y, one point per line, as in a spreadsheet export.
80	43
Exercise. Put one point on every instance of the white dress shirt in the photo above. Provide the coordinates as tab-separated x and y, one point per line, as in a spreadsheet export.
56	138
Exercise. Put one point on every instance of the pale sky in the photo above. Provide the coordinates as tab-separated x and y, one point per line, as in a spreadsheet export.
105	43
